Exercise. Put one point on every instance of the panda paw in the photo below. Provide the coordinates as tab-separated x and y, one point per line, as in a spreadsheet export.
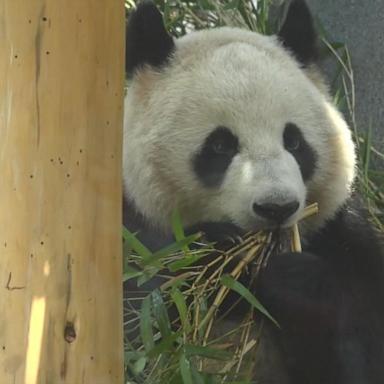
224	235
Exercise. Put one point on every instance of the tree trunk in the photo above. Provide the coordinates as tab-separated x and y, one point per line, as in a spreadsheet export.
61	95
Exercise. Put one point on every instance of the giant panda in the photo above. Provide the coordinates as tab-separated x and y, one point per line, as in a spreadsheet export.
238	131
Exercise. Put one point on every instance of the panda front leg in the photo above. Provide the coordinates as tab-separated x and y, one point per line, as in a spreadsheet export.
331	324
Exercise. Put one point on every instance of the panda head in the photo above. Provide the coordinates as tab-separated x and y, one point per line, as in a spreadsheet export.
230	125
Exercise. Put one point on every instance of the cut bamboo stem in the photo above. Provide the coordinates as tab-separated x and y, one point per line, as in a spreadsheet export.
310	210
295	240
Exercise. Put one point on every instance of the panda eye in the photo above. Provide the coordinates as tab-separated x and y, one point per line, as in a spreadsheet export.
221	148
223	142
292	138
212	160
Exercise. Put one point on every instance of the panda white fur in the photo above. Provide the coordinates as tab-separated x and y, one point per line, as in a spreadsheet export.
237	130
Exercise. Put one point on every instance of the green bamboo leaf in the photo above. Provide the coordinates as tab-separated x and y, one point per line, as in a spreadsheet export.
132	355
161	314
177	225
147	274
131	273
139	365
136	244
164	346
210	353
239	288
184	262
203	378
181	306
240	382
176	377
146	331
203	310
178	230
185	370
172	248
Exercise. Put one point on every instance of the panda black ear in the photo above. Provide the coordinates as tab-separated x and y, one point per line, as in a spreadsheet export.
147	41
298	32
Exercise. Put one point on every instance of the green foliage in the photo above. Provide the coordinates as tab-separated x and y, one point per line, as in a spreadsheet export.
182	16
164	350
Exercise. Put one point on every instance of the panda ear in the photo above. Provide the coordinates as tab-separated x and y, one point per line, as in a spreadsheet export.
147	41
298	32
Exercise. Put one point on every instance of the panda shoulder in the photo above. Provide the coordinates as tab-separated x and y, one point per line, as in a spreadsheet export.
352	234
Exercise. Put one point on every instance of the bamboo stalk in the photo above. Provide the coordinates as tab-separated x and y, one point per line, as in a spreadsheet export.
310	210
61	92
295	240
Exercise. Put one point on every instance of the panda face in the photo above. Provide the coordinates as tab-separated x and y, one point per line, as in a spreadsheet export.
274	183
231	128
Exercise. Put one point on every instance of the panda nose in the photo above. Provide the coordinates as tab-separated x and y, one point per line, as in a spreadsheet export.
277	213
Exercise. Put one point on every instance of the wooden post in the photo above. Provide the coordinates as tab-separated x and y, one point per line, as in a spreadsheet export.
61	95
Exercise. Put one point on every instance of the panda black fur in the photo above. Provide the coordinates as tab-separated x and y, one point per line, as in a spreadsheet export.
238	131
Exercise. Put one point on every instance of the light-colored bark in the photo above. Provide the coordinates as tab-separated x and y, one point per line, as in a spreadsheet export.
61	94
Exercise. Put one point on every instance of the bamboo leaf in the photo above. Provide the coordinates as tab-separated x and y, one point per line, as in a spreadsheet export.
239	288
178	229
177	225
203	378
181	306
184	262
148	274
146	324
136	244
210	353
131	273
139	365
165	345
161	314
185	370
172	248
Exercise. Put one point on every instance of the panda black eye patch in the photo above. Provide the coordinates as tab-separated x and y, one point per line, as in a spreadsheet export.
215	156
297	146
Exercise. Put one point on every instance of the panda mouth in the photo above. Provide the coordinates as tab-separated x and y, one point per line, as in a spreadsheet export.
260	224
